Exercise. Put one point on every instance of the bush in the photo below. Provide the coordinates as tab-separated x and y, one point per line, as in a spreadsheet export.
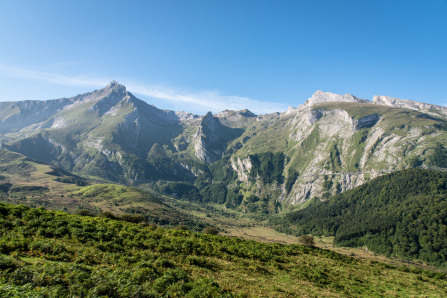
210	231
135	218
84	212
107	214
181	227
307	240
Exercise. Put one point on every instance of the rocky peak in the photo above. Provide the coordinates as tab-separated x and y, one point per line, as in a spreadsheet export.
241	113
234	119
114	86
107	97
181	115
208	116
209	126
409	104
320	97
212	137
290	110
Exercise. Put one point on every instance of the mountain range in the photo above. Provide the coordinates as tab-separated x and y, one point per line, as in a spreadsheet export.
253	163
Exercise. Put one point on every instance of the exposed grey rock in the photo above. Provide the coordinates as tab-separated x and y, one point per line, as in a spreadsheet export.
409	104
367	121
314	116
207	147
212	137
321	97
15	116
182	116
236	118
290	110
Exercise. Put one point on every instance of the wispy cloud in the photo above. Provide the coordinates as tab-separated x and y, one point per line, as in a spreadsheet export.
207	100
51	77
198	101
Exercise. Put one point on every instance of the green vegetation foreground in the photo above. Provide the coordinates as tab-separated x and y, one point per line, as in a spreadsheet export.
51	253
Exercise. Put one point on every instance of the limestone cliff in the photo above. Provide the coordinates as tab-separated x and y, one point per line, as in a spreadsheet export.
410	104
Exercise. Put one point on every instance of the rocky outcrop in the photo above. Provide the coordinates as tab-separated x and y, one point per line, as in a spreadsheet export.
108	97
184	116
366	122
340	115
15	116
209	141
324	97
236	118
409	104
242	166
314	115
290	110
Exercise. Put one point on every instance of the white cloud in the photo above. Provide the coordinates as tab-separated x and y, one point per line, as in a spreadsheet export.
51	77
199	102
208	100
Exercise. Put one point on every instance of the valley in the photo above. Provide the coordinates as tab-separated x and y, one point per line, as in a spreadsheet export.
365	178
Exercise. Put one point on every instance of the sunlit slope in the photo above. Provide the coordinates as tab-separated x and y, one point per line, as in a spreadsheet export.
56	254
24	181
327	148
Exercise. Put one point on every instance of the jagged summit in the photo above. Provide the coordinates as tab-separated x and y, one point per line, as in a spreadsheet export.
290	110
320	96
114	86
241	113
208	115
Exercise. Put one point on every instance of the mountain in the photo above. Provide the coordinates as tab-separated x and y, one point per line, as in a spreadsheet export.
36	184
401	214
254	163
412	105
102	133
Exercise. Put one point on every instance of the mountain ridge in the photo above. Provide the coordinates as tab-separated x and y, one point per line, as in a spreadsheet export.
330	144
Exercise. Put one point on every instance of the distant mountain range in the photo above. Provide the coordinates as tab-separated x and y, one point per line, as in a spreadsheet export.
255	163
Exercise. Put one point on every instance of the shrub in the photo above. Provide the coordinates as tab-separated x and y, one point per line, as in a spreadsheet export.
181	227
135	218
84	212
107	214
210	231
307	240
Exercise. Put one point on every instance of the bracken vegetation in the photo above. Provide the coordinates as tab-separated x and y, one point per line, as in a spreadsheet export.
54	254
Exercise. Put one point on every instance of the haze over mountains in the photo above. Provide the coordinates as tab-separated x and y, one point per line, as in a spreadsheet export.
256	163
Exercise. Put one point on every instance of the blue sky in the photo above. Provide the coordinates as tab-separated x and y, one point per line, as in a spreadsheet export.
211	55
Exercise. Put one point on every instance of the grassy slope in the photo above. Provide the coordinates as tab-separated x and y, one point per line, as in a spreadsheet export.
40	185
53	253
233	223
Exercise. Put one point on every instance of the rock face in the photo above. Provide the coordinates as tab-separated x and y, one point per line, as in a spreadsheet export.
211	138
324	97
330	144
236	118
14	116
207	139
242	166
366	122
334	146
409	104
